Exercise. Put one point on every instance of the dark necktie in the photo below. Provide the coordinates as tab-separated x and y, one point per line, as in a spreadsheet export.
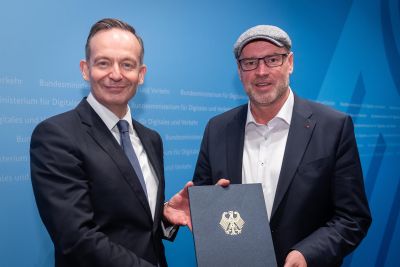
123	127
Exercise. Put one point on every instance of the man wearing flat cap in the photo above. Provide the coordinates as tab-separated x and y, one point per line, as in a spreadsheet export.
303	153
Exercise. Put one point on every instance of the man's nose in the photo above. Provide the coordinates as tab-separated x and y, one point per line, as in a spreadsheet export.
262	68
115	73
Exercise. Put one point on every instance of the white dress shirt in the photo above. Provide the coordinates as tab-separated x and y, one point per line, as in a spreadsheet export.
264	146
111	120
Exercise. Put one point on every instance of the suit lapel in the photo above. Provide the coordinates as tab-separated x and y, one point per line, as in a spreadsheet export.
104	138
300	132
235	143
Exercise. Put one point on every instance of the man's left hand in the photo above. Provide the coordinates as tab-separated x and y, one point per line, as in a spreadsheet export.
177	210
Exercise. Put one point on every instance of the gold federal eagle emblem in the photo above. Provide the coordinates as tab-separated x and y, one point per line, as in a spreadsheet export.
231	222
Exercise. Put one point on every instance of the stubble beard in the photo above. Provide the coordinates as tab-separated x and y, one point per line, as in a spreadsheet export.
270	98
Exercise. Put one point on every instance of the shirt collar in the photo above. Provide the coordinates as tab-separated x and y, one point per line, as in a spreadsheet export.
284	114
106	115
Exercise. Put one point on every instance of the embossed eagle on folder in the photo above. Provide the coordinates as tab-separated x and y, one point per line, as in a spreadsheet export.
231	222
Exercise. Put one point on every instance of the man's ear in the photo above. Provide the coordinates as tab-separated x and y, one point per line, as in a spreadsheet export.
142	73
291	62
239	71
84	69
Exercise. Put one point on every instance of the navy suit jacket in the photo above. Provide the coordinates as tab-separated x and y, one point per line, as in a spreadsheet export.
89	196
320	207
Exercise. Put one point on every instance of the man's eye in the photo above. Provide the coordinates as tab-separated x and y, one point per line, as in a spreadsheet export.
128	66
250	62
102	64
273	59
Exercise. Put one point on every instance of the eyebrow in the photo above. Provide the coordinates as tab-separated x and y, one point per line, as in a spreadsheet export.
108	58
269	55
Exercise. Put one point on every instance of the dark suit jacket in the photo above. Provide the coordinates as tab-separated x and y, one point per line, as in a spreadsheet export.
89	196
320	207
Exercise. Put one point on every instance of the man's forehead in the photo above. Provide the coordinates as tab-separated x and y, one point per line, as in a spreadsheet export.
114	34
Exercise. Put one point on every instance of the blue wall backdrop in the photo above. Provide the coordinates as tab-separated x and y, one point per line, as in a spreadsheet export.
347	55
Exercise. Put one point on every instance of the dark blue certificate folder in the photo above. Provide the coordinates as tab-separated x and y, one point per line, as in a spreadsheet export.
230	226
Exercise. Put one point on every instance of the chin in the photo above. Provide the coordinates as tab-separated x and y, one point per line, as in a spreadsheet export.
263	98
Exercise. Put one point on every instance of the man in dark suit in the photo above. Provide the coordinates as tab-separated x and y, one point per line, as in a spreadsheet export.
304	154
97	174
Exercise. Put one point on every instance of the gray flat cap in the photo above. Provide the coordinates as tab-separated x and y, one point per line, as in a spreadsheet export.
269	33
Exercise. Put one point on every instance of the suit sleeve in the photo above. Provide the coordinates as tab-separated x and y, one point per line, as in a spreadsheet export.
202	173
351	217
62	191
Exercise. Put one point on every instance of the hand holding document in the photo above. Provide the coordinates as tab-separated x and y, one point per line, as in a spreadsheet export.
176	210
230	226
